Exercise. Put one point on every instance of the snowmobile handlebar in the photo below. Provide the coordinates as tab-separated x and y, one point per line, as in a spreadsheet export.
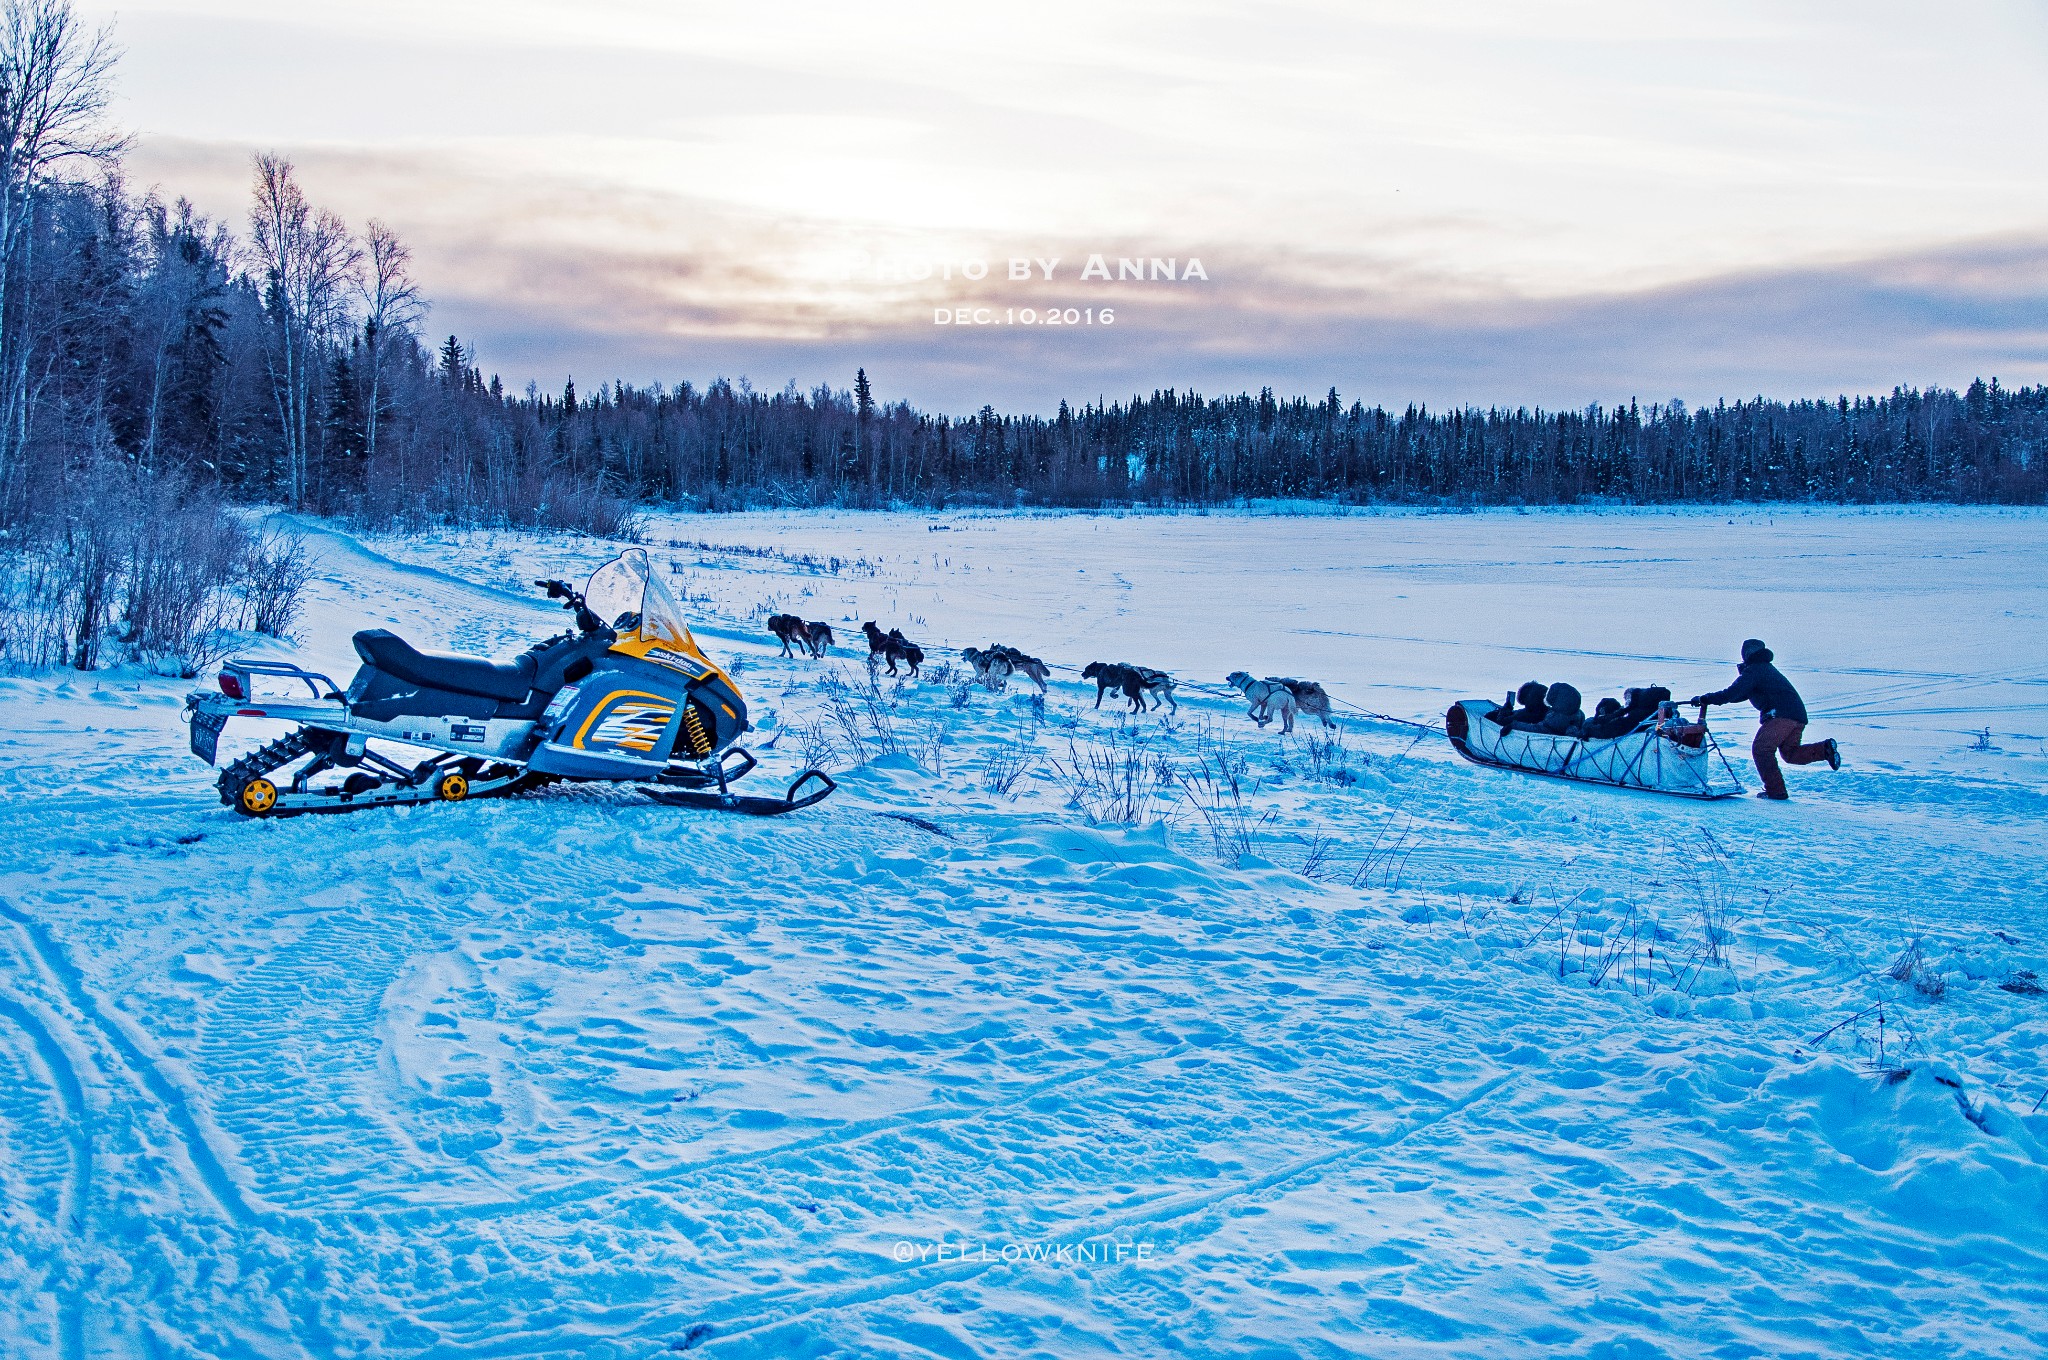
573	599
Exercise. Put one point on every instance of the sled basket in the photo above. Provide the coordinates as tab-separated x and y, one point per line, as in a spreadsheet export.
1658	757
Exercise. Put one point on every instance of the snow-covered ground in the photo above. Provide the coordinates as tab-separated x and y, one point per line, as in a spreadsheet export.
1391	1055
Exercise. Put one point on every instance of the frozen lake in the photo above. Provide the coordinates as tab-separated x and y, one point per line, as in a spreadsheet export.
1902	629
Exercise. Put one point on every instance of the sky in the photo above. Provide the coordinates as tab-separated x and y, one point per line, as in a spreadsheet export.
1493	202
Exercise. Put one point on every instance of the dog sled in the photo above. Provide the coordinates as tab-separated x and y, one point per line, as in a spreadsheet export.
1662	755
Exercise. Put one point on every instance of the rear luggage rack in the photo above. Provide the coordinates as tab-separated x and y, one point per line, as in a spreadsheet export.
240	670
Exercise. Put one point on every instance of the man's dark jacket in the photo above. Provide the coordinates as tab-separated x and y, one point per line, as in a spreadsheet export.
1758	681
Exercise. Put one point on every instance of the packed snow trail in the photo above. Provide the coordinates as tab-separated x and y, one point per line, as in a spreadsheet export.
574	1074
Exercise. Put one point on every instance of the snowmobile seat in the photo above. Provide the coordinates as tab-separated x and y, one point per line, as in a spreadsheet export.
393	655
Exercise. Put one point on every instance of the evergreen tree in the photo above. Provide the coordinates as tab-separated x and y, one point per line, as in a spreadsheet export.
453	362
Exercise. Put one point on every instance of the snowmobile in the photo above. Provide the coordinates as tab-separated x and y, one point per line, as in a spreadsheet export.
633	701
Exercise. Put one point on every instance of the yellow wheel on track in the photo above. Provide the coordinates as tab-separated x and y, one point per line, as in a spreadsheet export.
454	787
258	797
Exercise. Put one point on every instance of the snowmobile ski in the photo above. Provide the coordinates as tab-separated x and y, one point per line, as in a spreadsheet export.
751	805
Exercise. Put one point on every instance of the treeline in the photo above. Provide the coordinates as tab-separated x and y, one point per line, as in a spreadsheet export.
143	367
728	446
281	361
278	365
158	367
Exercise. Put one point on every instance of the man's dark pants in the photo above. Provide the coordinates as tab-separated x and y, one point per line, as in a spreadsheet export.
1780	737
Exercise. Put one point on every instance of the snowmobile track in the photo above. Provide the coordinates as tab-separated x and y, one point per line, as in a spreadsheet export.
312	1006
75	1203
205	1160
917	1278
927	1116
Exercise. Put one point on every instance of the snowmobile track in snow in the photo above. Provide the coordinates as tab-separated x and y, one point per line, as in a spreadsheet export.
75	1202
212	1172
929	1116
917	1278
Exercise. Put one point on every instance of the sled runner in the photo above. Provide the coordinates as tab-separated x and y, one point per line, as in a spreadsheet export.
632	701
1662	755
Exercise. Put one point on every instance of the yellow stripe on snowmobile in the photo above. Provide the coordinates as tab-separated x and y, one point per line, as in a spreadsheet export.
661	701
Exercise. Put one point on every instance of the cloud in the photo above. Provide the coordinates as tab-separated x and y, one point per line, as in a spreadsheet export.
1932	318
551	275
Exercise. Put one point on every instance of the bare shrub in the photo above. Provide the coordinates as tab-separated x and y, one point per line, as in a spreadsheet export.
578	505
146	567
1113	781
814	740
1917	971
40	581
929	746
1884	1037
274	581
1704	873
1328	759
90	582
1630	947
865	716
1385	859
1627	952
1315	863
1005	767
1216	785
182	562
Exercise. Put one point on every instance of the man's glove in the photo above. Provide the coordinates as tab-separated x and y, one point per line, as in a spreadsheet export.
1694	702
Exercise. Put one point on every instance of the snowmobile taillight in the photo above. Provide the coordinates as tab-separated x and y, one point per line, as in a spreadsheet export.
231	685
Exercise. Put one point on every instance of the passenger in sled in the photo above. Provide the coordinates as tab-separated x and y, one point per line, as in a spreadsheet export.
1617	718
1552	711
1524	708
1556	711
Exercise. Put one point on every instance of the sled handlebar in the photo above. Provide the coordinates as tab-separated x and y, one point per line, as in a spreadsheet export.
573	599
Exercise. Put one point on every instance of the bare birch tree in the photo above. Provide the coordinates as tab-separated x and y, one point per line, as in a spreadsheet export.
54	91
393	306
306	260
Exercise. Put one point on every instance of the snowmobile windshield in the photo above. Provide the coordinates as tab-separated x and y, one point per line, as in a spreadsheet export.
626	594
